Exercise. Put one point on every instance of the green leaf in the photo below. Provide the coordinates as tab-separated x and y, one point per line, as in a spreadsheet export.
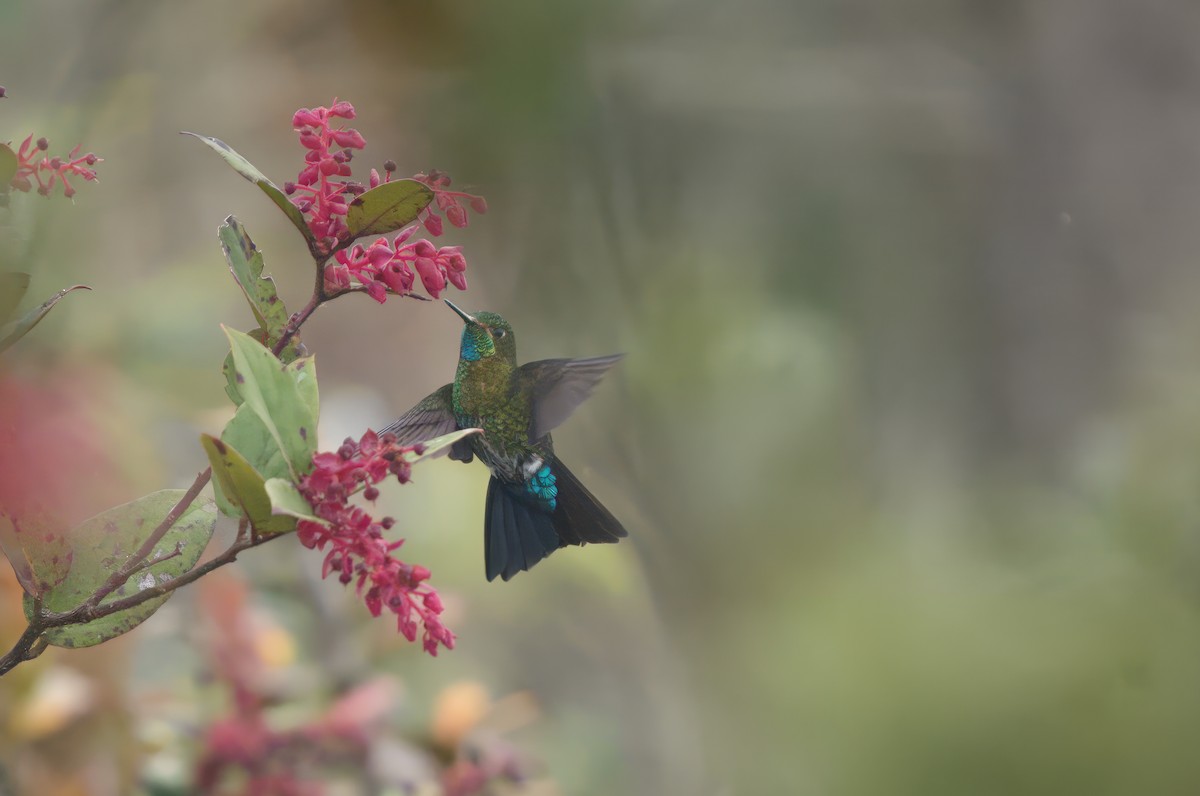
287	501
273	394
246	264
13	285
250	436
14	331
248	170
8	167
289	353
433	446
387	207
37	548
240	484
247	433
304	373
105	543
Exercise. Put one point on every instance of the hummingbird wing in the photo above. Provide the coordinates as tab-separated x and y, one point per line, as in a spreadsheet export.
431	417
559	386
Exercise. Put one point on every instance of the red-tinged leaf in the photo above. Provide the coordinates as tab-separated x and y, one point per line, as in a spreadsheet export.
38	550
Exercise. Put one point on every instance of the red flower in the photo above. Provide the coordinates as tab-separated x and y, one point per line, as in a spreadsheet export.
384	266
358	550
387	266
323	197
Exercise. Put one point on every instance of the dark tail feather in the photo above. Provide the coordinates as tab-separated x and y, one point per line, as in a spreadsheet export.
517	534
579	517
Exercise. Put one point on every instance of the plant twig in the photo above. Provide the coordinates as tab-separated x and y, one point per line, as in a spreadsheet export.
118	578
32	644
22	650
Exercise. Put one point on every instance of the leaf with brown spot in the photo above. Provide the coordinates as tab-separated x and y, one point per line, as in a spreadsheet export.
240	490
387	207
98	552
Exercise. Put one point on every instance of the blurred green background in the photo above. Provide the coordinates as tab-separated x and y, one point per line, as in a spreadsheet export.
908	435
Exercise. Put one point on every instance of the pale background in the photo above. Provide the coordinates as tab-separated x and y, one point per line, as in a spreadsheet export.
907	438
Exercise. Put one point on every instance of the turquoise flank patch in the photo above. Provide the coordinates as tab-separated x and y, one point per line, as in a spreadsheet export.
544	487
469	350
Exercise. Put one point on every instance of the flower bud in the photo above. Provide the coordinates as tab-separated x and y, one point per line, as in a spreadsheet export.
349	138
342	109
433	224
304	118
397	277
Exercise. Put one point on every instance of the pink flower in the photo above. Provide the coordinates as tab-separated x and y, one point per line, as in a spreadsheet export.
323	197
33	166
387	266
453	203
358	551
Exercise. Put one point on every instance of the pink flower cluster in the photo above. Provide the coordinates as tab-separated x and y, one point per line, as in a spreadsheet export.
383	266
322	196
34	166
358	552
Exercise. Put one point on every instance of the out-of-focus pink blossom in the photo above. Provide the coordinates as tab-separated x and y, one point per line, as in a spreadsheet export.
34	167
453	203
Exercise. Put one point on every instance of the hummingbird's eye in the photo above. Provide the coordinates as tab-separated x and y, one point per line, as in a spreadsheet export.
498	333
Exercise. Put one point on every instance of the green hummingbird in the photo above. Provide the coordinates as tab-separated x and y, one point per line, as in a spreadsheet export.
535	505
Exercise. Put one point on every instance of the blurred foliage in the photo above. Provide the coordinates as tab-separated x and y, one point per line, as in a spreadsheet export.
906	439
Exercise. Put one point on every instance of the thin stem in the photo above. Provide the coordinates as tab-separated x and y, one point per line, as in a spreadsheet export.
300	317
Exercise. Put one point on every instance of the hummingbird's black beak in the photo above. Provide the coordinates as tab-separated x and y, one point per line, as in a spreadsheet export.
467	318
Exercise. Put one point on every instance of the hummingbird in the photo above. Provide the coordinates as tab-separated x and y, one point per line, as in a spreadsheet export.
535	505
